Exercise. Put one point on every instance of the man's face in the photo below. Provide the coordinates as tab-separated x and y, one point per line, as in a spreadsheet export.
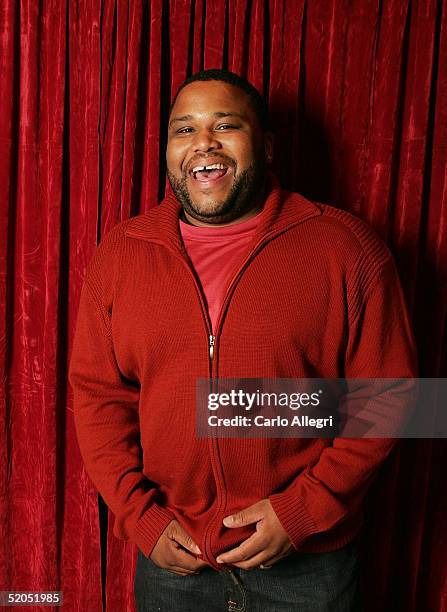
213	124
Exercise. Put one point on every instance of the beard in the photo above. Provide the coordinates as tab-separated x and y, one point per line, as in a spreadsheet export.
242	196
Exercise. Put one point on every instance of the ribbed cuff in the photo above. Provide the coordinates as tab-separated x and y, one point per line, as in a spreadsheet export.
293	516
150	527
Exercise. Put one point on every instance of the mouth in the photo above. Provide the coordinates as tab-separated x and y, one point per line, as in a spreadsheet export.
207	176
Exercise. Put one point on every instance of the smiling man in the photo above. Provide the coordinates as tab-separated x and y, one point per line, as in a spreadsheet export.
232	277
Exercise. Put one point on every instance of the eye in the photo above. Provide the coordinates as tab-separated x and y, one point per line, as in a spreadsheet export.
227	125
182	130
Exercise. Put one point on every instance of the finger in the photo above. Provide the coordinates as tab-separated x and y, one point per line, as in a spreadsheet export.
182	571
183	559
253	545
261	559
254	562
179	571
178	568
247	516
182	537
273	560
173	568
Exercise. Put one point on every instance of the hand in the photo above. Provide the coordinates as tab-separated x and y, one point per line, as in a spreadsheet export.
269	544
176	551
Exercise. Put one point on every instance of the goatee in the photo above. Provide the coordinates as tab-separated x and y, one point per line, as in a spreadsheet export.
242	197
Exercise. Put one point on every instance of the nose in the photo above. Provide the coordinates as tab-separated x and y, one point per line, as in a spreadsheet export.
205	140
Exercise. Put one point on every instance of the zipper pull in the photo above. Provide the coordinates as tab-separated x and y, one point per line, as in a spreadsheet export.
212	340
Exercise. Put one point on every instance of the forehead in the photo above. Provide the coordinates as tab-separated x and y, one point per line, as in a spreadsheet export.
211	96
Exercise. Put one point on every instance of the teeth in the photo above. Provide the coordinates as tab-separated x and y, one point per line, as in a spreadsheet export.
210	167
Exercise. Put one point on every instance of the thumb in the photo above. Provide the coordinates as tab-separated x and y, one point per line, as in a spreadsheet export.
247	516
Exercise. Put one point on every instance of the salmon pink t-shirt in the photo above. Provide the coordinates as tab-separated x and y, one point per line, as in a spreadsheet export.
215	253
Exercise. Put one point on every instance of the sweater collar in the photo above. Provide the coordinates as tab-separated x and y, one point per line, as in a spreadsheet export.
282	209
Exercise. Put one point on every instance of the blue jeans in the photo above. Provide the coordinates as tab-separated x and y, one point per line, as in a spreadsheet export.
305	582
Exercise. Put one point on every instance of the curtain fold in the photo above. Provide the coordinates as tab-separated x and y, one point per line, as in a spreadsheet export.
357	91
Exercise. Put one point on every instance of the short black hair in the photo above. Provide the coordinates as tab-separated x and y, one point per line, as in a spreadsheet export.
220	74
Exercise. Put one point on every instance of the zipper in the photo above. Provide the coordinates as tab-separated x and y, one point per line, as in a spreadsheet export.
266	238
203	308
213	347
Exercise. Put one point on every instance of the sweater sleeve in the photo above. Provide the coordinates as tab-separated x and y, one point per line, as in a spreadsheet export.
107	425
380	345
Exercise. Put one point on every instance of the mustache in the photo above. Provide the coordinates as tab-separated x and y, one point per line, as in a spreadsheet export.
203	159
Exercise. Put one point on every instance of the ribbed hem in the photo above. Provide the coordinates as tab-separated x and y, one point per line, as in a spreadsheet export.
331	542
293	516
150	527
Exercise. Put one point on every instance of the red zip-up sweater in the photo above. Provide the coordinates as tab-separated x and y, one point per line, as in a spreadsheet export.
317	295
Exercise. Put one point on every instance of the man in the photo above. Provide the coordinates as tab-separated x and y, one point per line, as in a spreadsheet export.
231	276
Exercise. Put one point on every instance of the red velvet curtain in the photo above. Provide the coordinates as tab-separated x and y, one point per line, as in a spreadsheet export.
358	94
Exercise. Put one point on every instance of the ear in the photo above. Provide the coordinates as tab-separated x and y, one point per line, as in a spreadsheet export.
268	146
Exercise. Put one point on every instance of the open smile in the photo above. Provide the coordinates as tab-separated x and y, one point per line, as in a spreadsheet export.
210	175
